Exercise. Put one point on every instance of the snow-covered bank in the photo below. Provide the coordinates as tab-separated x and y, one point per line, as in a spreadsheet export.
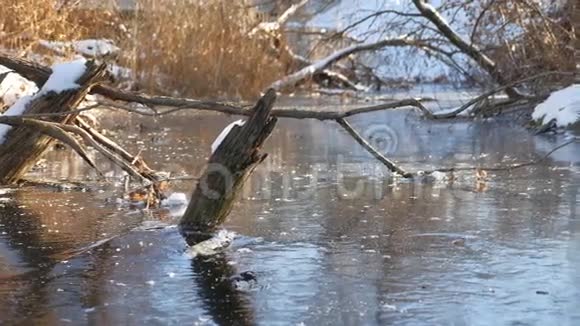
562	107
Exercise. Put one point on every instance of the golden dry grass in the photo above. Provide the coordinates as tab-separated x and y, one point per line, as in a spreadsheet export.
200	49
24	22
182	47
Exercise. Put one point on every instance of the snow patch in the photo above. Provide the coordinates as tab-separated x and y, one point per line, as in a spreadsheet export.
562	106
14	86
64	76
220	138
16	109
95	48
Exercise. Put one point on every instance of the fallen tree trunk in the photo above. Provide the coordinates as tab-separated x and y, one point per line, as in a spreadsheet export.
228	167
23	146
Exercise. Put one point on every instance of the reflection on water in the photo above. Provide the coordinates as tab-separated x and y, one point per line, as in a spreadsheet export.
329	236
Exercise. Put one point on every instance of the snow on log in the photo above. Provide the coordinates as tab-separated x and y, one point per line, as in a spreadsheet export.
16	109
93	48
64	77
273	27
65	88
561	107
13	87
220	138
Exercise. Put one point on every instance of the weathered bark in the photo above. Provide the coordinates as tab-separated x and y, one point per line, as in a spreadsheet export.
228	167
469	49
23	146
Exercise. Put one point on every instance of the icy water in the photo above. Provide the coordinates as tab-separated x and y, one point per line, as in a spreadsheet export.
323	234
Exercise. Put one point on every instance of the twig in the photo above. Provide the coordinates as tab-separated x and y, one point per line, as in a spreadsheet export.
505	168
54	130
359	139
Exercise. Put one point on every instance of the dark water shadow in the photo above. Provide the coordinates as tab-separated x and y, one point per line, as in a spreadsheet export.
216	283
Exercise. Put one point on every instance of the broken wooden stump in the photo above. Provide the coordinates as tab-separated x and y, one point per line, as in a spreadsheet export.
229	166
22	146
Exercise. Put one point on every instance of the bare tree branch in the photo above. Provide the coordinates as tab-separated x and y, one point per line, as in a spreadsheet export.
469	49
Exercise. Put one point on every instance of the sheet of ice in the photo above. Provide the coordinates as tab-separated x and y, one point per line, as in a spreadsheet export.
220	138
64	76
562	106
14	86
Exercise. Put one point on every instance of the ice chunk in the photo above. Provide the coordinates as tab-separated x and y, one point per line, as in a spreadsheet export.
209	247
175	199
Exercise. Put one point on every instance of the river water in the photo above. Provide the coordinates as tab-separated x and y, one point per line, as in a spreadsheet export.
326	236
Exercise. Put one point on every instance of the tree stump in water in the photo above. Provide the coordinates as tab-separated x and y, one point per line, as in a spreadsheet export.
23	146
228	168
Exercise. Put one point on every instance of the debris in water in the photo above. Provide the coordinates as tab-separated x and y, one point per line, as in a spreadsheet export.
175	199
390	307
212	246
244	281
458	242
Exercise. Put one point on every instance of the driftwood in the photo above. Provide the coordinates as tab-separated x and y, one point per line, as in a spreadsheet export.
31	137
23	146
228	167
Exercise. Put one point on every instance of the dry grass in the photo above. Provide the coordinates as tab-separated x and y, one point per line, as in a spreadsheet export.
24	22
200	49
179	48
